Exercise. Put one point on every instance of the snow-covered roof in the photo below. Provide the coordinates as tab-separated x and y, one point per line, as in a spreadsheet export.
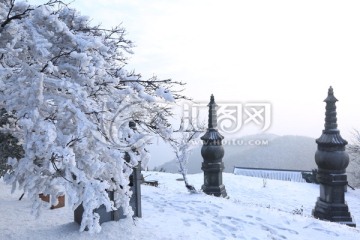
277	174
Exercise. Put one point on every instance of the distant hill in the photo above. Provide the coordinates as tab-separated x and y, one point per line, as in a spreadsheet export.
259	151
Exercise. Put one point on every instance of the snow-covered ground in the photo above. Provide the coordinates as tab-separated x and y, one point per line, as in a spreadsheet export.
255	210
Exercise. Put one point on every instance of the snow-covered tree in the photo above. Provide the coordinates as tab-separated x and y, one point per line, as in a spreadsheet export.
183	142
353	170
71	99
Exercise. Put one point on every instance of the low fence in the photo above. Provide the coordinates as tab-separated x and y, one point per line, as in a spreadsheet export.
277	174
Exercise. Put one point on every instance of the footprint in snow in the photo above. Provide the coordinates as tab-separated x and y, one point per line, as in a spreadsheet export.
272	231
286	229
186	222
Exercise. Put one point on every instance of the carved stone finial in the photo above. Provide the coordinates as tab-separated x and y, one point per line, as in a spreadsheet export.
212	135
330	119
212	99
212	113
331	139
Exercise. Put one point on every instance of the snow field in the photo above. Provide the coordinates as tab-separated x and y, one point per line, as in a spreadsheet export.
170	212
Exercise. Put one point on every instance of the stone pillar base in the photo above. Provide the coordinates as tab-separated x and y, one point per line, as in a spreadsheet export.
104	215
218	191
213	179
334	212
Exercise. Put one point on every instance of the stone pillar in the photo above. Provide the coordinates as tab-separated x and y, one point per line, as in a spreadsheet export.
332	161
135	181
135	200
212	152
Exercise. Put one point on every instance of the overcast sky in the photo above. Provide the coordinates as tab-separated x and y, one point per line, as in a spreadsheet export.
286	53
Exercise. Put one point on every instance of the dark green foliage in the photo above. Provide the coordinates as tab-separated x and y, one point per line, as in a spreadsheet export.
310	177
9	145
298	211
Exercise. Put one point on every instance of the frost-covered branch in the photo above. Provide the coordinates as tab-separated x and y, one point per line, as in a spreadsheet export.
22	10
17	15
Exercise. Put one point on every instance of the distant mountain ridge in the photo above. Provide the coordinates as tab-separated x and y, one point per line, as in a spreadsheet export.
259	151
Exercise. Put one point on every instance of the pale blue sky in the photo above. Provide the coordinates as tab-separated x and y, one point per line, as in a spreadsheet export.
284	52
